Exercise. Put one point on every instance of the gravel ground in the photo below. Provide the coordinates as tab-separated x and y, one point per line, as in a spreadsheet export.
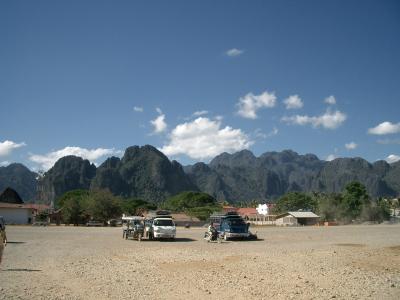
345	262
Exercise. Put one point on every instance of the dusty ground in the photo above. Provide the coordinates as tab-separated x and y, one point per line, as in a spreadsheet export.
348	262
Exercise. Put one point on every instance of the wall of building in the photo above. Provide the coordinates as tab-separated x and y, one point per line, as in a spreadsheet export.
308	221
286	221
16	215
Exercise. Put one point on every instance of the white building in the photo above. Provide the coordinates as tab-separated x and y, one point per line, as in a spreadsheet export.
16	213
297	218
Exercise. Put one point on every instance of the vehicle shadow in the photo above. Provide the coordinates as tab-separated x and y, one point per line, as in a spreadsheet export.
12	242
244	240
176	240
183	240
21	270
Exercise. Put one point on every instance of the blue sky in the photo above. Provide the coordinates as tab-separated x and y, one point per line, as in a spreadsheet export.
257	73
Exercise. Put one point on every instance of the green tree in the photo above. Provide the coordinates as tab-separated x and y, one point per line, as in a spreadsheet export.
79	194
378	211
355	197
102	205
134	206
74	208
185	200
42	216
294	201
328	206
195	204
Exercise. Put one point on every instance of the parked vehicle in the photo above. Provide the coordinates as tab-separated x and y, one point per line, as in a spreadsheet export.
159	225
164	228
134	229
3	236
114	222
93	223
232	226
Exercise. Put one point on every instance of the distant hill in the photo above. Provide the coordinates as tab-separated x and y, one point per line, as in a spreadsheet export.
242	176
146	173
143	172
19	178
68	173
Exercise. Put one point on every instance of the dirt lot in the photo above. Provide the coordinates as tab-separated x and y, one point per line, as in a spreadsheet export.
347	262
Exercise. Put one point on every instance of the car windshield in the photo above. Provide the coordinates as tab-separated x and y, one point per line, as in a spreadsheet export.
163	223
236	222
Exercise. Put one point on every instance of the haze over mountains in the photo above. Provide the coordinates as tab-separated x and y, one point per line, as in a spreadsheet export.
146	173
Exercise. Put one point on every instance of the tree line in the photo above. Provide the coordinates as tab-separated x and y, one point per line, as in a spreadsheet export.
352	205
79	206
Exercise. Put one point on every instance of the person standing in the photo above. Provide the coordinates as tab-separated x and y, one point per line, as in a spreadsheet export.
3	237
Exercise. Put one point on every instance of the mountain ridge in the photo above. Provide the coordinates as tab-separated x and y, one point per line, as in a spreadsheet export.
145	172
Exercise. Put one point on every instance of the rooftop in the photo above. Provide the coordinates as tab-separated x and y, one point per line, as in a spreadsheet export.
299	214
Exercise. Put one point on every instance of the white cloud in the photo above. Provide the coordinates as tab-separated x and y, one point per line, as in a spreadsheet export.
7	147
259	134
330	157
329	120
200	113
388	141
159	123
392	158
385	128
330	100
234	52
293	102
48	160
138	109
4	163
250	103
203	138
351	146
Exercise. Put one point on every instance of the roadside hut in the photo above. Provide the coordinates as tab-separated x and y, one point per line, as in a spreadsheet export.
16	213
297	218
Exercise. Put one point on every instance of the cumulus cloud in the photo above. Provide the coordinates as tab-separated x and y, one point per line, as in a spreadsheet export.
351	146
331	100
329	120
259	134
200	113
4	163
392	158
250	103
388	141
234	52
46	161
138	109
7	147
385	128
204	138
159	124
330	157
293	102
